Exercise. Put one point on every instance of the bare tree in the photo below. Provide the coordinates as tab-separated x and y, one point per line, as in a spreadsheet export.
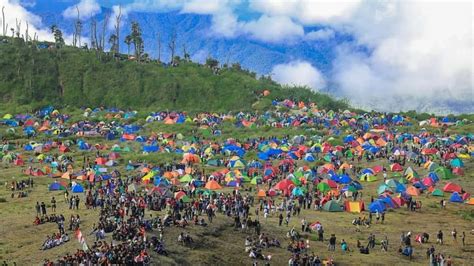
118	18
93	33
186	55
159	47
18	27
172	45
78	27
4	25
102	36
26	32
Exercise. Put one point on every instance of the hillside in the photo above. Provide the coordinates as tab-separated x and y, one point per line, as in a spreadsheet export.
31	76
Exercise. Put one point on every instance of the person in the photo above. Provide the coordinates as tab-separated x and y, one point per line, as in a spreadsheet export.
377	217
344	246
38	209
439	239
383	217
303	225
454	233
280	219
332	243
463	238
43	208
53	204
384	244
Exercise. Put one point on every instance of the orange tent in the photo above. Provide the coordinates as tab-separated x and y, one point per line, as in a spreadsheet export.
212	185
471	201
261	193
66	175
413	191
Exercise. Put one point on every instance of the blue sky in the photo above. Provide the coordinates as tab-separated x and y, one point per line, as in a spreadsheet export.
385	55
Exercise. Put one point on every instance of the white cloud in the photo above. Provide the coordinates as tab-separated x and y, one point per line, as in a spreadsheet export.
13	11
308	12
320	35
87	9
273	29
299	73
204	7
414	55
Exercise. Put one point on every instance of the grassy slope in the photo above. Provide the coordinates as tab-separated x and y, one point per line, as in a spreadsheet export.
70	76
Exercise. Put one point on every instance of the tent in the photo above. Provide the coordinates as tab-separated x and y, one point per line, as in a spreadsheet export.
437	192
368	177
186	178
456	162
332	206
56	186
471	201
451	187
212	185
443	173
354	206
455	197
285	184
77	188
396	167
261	193
384	188
323	187
413	191
377	206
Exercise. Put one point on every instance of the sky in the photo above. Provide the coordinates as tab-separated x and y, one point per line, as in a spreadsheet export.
400	53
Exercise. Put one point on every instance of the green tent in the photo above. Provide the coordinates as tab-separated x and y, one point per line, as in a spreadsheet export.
256	180
213	162
332	206
437	192
368	178
185	199
186	178
323	187
443	173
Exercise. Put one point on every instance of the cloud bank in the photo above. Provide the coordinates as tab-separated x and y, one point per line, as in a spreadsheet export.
299	73
87	9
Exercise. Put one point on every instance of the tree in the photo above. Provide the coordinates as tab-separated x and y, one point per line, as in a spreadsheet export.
113	44
102	36
186	55
58	36
118	18
159	47
128	41
172	45
4	22
211	62
93	32
137	40
77	29
18	28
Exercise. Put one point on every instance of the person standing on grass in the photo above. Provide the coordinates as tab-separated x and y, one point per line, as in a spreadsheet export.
38	209
280	219
43	209
439	239
463	238
53	204
332	243
454	233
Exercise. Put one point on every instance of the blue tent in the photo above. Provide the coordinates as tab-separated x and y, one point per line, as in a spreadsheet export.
349	138
345	179
433	176
56	186
77	188
309	157
150	148
377	205
455	197
110	136
28	147
400	188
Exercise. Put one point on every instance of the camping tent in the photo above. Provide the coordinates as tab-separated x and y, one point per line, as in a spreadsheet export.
437	192
377	206
354	206
451	187
455	197
332	206
212	185
77	188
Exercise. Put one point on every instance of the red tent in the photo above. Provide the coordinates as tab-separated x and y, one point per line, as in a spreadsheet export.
458	171
451	187
64	149
285	184
396	167
100	161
